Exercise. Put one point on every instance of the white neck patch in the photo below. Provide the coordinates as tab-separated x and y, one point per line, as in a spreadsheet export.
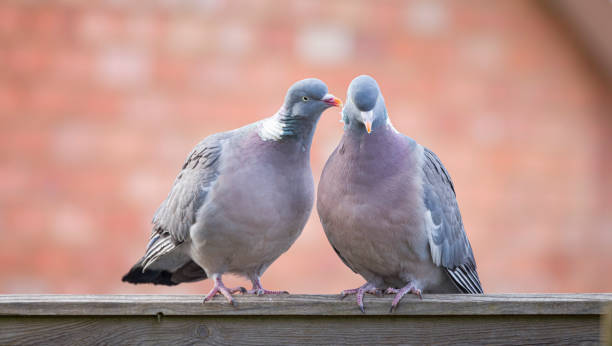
273	129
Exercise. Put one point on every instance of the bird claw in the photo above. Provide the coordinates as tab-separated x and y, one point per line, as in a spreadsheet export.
262	291
360	292
372	291
259	290
226	292
400	293
346	293
391	290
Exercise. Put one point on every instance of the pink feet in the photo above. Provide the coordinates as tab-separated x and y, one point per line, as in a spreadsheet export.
371	289
220	288
360	292
259	290
399	293
227	292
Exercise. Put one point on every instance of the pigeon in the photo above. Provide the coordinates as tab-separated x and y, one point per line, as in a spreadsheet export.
388	207
240	200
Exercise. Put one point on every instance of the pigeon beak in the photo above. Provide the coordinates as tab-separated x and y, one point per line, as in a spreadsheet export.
367	120
332	100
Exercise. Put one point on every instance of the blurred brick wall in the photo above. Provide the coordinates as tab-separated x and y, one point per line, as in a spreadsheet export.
100	102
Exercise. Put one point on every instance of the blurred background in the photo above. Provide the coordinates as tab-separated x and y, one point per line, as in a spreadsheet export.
101	101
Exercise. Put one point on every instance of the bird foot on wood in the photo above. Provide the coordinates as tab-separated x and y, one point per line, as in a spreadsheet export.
400	293
259	290
219	287
360	292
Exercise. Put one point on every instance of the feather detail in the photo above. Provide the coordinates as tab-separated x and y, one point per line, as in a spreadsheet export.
157	249
466	278
278	126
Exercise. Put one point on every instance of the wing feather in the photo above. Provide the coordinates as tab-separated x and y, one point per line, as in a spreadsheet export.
448	242
177	213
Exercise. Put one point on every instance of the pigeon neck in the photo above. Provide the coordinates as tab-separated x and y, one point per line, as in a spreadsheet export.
283	125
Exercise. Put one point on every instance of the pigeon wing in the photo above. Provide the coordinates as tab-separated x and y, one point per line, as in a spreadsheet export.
177	213
448	242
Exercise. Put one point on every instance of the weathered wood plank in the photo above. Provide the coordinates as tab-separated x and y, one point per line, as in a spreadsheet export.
319	305
606	326
302	319
302	330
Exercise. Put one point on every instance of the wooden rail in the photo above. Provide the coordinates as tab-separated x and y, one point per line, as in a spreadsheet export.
304	319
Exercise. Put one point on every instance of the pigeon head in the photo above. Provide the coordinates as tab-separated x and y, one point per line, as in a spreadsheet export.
308	98
365	107
297	118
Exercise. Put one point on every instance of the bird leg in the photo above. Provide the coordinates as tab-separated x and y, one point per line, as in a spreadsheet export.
399	293
360	292
259	290
219	287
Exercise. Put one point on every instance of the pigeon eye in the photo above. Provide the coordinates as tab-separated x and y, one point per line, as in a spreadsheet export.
304	98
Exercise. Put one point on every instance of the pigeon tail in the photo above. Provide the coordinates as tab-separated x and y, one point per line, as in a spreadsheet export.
158	277
187	273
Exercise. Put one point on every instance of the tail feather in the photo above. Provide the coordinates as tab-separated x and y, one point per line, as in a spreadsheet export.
137	275
158	247
187	273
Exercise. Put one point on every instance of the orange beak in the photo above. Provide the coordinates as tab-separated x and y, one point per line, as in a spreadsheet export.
332	100
368	119
368	125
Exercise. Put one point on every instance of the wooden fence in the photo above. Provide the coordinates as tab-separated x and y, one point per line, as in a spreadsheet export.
305	319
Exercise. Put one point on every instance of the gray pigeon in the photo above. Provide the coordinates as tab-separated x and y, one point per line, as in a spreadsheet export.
388	207
240	201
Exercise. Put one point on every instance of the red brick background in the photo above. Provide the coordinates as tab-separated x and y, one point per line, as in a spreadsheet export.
100	102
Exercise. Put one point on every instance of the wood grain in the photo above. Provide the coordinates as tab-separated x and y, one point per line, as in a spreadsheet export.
302	319
606	325
300	330
315	305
